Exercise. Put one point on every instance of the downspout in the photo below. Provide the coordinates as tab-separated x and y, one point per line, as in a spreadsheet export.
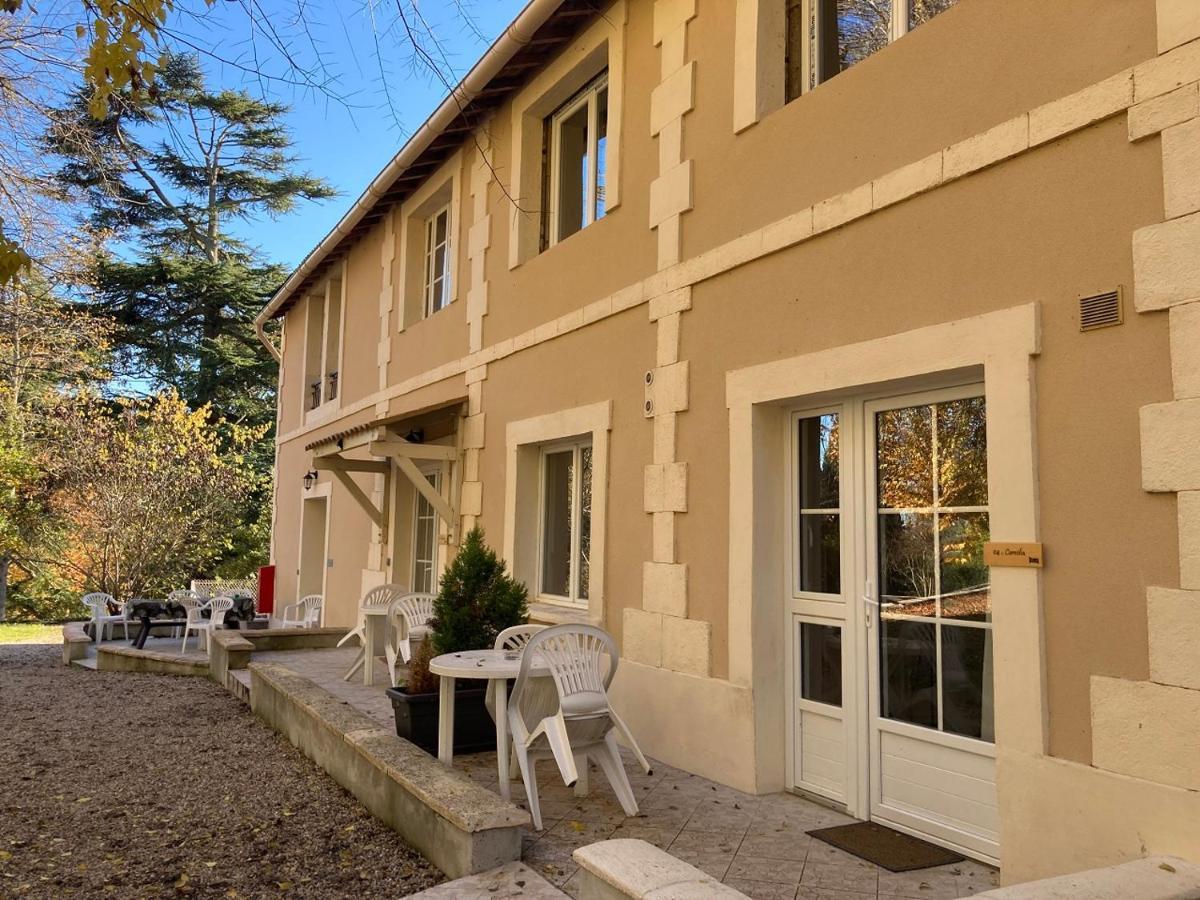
519	33
261	331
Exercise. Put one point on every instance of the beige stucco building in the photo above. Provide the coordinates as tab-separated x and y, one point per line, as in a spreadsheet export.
741	326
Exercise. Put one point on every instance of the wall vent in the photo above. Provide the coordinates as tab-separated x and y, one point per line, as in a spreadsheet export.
1101	310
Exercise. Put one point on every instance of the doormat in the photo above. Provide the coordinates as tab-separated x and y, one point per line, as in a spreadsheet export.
894	850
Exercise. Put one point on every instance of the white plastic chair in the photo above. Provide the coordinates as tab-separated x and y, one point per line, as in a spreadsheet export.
579	720
98	603
409	615
377	599
216	607
513	639
180	597
305	613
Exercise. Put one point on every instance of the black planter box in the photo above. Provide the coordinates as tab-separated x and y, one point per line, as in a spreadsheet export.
417	720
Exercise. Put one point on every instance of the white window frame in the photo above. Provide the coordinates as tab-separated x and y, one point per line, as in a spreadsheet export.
795	511
432	304
898	27
435	479
589	96
600	46
576	447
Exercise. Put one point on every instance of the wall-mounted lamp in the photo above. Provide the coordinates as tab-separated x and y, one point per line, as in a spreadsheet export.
310	478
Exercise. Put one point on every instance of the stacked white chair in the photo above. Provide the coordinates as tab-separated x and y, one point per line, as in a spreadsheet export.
579	720
305	613
411	614
408	619
514	640
98	602
378	598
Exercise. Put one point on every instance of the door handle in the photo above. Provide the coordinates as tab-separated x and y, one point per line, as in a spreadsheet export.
869	603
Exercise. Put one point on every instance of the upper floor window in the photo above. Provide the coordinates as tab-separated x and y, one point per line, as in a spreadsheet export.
566	520
437	261
577	136
827	37
323	345
429	244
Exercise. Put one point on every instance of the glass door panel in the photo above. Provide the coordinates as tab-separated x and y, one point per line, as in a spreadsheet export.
930	462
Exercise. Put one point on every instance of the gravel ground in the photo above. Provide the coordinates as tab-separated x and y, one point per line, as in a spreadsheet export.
115	785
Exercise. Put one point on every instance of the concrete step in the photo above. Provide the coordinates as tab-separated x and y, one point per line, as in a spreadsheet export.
1146	730
1153	878
238	683
88	662
512	880
1174	619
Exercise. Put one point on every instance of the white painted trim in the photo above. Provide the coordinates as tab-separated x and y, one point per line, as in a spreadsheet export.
1001	343
1066	115
595	420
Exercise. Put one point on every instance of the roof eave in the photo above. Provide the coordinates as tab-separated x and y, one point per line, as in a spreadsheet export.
516	36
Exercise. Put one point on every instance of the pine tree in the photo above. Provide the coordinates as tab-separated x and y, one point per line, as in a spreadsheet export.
167	174
478	599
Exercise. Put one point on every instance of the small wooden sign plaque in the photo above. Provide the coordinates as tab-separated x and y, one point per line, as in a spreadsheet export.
1020	555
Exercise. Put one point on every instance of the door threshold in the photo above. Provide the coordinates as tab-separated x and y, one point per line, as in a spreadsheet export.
821	800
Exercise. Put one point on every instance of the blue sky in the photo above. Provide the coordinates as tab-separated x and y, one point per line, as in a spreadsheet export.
345	132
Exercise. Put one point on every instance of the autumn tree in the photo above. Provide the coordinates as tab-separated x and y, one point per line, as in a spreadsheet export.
148	492
48	351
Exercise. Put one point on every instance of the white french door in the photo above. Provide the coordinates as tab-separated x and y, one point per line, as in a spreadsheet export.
889	590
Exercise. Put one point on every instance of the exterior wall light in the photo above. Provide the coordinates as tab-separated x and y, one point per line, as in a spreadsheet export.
310	478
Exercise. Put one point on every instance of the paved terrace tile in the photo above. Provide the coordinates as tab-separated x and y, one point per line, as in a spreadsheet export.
757	844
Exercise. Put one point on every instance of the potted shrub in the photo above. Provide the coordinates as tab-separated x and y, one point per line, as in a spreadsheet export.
477	600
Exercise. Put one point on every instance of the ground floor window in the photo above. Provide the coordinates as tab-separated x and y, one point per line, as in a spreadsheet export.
425	540
566	522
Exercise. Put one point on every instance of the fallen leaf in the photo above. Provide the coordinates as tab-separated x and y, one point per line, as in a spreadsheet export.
84	800
1166	867
288	812
577	827
284	885
211	864
182	880
4	854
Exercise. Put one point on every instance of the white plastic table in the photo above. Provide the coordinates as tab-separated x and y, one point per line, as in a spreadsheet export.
497	667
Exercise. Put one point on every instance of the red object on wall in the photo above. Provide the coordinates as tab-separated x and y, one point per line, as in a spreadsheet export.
266	589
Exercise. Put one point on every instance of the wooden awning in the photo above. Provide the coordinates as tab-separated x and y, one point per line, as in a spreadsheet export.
387	451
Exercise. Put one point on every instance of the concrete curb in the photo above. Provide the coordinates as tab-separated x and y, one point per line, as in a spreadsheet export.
631	868
123	658
75	642
464	829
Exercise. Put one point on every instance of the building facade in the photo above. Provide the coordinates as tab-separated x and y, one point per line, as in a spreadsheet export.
744	328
